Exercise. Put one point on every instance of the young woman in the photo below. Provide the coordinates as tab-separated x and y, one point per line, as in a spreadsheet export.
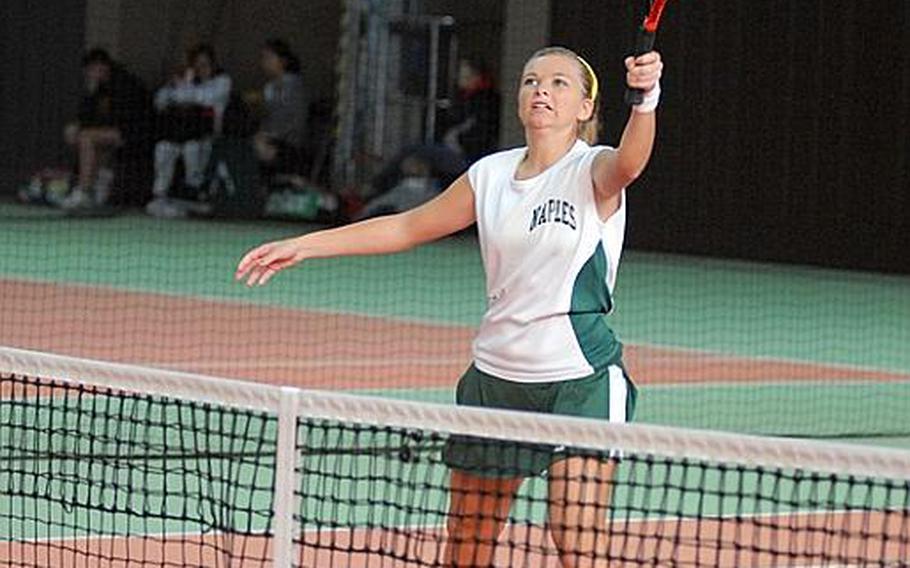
551	219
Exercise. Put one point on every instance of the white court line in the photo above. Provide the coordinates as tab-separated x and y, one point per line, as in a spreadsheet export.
309	363
782	382
439	527
103	536
386	362
669	519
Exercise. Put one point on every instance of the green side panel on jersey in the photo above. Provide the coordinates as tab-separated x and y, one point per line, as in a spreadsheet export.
591	303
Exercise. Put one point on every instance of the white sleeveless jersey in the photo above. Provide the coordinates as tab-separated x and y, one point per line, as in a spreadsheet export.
550	266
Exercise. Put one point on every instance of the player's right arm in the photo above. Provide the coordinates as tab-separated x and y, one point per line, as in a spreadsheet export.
447	213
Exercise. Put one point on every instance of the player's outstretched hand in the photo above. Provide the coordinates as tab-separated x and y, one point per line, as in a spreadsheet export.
644	71
260	264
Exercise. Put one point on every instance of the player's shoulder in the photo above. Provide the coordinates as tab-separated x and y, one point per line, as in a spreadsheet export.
598	148
583	149
585	155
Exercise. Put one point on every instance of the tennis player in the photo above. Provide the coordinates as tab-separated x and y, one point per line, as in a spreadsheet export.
551	219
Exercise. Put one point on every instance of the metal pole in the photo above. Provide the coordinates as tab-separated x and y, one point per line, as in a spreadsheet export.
346	87
382	82
432	83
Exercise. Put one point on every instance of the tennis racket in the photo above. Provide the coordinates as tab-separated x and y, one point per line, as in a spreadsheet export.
644	42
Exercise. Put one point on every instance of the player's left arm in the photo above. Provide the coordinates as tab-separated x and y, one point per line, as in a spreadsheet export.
614	170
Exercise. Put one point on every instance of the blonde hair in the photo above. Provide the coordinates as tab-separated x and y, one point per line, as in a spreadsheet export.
588	130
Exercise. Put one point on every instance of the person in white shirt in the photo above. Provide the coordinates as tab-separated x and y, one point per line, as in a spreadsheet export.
190	108
551	218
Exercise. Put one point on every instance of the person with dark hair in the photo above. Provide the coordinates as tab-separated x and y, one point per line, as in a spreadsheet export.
190	113
113	121
279	141
471	126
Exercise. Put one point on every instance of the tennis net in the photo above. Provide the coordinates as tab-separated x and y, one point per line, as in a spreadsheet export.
113	465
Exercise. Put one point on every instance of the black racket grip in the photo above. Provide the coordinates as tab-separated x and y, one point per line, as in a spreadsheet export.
644	42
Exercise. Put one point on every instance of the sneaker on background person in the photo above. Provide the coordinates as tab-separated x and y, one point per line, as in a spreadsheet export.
78	198
95	197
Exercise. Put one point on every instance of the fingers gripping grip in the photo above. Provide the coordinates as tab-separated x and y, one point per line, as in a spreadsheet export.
644	43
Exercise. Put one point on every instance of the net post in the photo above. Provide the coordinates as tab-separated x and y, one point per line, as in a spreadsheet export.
285	503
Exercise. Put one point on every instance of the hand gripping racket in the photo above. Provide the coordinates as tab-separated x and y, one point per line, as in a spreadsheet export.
644	42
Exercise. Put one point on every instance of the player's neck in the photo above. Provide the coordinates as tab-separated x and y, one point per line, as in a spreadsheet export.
545	148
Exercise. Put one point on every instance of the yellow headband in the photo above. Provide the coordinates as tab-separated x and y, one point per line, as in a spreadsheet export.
590	70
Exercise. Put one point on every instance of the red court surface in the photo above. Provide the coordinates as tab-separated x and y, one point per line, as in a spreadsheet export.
797	540
314	349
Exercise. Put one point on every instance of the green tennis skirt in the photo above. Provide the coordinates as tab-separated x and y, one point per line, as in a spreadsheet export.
608	394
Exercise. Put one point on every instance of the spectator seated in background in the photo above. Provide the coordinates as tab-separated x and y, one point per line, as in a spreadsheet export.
279	140
471	126
190	114
470	131
113	125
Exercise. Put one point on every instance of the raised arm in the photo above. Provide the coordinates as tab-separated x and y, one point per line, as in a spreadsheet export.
448	213
614	170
